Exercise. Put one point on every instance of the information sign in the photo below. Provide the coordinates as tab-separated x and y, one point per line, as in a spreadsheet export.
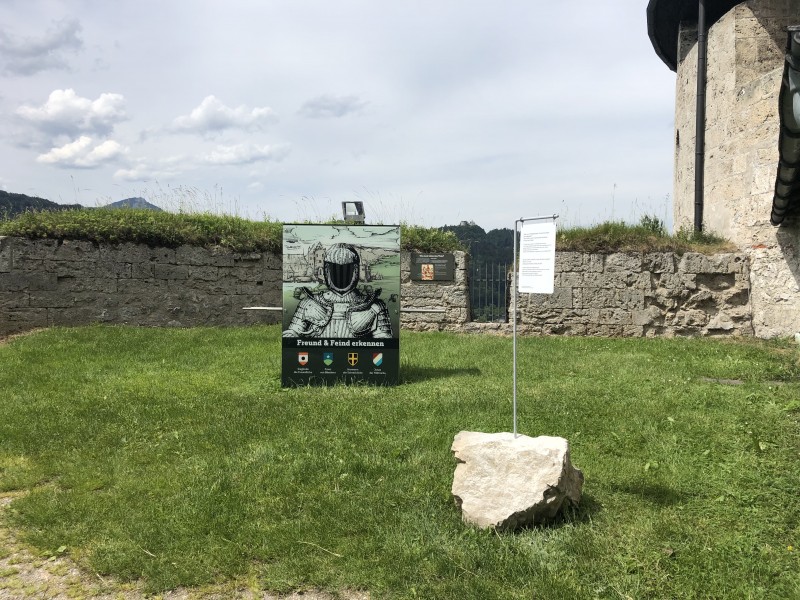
341	304
433	267
537	257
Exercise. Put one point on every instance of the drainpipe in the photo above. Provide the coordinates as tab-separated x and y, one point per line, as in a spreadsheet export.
700	114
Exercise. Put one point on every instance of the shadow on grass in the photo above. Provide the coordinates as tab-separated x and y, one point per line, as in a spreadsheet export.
412	374
654	493
569	516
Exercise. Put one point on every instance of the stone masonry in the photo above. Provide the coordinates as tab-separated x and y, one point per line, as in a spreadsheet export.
452	297
47	282
640	294
745	65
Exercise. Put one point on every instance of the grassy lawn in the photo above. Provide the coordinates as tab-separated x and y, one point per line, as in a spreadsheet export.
174	456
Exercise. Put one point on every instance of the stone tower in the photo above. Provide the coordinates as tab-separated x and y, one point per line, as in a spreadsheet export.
746	47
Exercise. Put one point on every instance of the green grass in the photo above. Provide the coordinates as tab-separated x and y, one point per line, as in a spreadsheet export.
102	225
647	236
174	456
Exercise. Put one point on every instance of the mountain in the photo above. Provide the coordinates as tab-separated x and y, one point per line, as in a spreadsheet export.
139	203
12	205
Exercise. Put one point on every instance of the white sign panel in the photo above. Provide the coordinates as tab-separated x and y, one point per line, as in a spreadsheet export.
537	257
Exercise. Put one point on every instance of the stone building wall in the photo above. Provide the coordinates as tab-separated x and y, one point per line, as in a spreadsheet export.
745	62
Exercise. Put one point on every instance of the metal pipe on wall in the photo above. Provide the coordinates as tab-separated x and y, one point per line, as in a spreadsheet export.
700	117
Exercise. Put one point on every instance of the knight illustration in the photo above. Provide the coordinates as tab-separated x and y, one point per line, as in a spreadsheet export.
343	310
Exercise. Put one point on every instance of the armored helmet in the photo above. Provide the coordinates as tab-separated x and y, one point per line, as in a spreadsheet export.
341	267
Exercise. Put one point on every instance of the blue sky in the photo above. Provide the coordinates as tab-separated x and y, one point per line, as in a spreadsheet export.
429	112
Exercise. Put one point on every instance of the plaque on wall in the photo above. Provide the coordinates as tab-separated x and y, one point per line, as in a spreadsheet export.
433	267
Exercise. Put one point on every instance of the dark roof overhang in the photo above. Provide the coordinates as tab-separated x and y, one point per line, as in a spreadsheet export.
665	16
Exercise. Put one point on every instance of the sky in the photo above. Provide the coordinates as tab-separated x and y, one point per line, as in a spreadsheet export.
430	113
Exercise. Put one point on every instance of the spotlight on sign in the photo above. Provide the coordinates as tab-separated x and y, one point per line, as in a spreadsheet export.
353	212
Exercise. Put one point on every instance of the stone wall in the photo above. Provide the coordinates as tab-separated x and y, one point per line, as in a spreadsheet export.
745	63
45	282
639	294
435	306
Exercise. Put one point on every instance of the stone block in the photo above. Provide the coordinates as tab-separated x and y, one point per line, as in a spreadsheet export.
503	481
13	300
76	251
6	262
113	270
34	249
560	298
569	262
594	297
595	280
170	271
69	285
594	263
614	316
81	315
22	319
650	315
142	270
569	279
63	268
204	273
32	265
659	262
127	287
629	262
18	282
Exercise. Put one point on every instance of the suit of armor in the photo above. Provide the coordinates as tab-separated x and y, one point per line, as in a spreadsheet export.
341	311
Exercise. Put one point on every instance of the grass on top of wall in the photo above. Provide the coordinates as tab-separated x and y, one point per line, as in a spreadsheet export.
649	235
167	229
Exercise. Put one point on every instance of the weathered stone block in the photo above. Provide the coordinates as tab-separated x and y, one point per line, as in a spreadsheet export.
205	273
11	300
623	261
569	262
17	282
169	271
659	262
6	261
504	481
142	270
76	251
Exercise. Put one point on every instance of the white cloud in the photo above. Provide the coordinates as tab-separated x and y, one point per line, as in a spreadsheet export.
244	154
31	55
82	153
66	113
327	107
212	115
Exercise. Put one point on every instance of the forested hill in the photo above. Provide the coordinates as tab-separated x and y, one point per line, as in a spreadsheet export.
12	205
493	247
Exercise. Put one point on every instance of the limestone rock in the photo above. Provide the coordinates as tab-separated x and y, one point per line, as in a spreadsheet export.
506	482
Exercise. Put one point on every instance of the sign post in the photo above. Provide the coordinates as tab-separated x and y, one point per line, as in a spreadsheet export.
341	304
534	270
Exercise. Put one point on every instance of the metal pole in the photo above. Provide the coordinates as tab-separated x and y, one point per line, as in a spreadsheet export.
515	266
514	304
700	118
